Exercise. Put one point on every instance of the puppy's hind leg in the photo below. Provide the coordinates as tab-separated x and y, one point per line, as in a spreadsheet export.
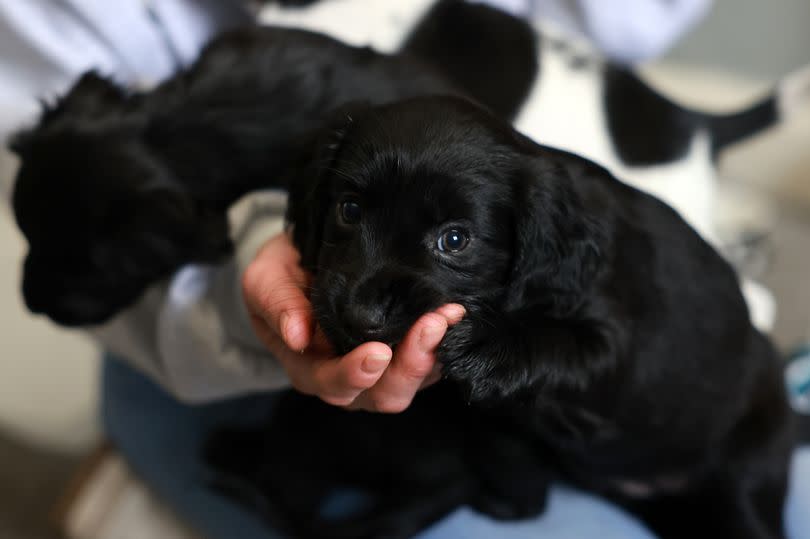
514	477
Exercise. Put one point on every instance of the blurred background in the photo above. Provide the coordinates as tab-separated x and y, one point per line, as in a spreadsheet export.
48	377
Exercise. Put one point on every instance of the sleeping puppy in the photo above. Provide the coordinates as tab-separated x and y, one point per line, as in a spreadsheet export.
118	189
603	337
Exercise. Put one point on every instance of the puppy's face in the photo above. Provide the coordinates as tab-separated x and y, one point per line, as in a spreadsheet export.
409	207
103	219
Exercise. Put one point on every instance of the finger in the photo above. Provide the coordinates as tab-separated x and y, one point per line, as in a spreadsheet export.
273	288
434	376
338	381
452	312
411	365
364	402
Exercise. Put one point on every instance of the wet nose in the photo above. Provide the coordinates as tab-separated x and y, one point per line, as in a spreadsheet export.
368	309
366	320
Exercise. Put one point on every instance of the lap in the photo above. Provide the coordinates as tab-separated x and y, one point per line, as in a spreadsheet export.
161	439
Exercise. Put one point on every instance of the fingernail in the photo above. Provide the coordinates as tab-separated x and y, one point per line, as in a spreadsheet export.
430	337
375	363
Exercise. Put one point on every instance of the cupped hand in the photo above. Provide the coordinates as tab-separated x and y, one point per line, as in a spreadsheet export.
370	377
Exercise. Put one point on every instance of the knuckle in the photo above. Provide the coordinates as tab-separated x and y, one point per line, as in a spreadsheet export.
415	372
435	320
335	400
390	405
356	379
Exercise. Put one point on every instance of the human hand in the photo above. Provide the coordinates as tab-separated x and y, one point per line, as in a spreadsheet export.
370	377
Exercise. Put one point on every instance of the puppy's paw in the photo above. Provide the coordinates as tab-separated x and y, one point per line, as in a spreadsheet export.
468	356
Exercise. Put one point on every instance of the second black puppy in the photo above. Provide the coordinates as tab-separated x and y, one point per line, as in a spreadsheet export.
118	189
603	337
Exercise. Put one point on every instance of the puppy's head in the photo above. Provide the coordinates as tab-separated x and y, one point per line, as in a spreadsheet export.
102	216
409	206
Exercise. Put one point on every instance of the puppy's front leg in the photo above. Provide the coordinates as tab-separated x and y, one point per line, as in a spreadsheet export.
499	356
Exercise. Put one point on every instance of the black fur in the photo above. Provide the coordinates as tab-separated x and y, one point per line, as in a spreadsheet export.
489	53
648	129
604	341
118	189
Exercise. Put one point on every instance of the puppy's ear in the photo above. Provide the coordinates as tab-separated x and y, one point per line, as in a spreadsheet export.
91	96
309	198
92	90
558	244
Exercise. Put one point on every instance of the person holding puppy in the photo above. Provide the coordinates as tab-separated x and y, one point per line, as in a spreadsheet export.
208	347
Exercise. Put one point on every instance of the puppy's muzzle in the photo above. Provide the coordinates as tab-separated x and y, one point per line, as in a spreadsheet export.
383	305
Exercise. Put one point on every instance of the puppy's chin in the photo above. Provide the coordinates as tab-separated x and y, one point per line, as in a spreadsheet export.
343	340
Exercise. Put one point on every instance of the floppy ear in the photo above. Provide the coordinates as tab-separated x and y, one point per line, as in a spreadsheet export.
92	90
91	96
558	243
309	198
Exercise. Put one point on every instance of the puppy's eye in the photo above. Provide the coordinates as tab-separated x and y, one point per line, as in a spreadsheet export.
453	240
349	212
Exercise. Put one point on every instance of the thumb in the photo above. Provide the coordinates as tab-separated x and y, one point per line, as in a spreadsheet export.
273	290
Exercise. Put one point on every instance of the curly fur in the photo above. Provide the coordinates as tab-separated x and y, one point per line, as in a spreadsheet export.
118	189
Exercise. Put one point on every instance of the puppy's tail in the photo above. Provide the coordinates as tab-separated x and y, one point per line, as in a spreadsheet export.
488	54
789	95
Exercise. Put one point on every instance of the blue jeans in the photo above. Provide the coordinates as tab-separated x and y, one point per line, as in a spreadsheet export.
161	439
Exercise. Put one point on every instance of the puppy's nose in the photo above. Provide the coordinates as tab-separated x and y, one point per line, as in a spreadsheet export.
366	322
367	312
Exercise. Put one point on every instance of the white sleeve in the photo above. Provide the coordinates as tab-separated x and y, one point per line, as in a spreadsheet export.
627	31
192	334
632	31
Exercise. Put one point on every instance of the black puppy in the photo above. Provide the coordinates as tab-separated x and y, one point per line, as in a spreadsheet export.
116	189
603	338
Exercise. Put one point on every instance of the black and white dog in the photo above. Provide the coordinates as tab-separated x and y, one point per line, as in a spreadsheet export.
605	341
